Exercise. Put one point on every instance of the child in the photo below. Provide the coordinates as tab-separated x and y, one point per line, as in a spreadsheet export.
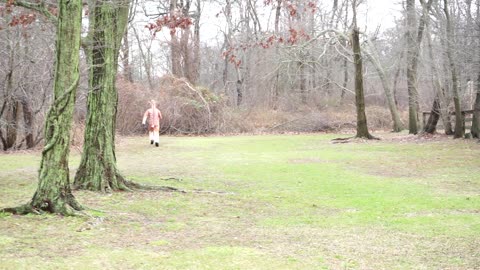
154	116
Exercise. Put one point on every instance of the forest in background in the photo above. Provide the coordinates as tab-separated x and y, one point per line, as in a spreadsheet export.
292	72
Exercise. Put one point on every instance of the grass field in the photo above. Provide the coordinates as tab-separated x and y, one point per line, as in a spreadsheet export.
260	202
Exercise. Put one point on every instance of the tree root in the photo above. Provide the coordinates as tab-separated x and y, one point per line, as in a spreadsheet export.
66	209
350	139
133	185
128	185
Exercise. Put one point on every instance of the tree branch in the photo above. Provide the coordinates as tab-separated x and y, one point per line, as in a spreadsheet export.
38	7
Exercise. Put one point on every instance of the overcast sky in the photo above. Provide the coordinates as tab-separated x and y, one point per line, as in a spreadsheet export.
382	12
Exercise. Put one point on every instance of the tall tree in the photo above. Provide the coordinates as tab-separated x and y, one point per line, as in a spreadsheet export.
53	193
414	39
98	170
362	127
459	118
372	54
476	112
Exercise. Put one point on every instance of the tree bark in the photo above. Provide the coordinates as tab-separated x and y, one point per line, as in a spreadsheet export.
276	90
28	120
302	81
476	113
362	127
9	111
53	193
196	45
373	56
411	76
127	69
98	170
413	51
459	118
431	125
439	107
175	50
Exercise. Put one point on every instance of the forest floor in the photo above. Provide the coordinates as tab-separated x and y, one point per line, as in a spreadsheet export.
260	202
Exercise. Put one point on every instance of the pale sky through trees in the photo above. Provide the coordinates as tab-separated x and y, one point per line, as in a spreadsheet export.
371	14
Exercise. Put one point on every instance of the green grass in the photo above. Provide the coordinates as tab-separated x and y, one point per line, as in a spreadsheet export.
261	202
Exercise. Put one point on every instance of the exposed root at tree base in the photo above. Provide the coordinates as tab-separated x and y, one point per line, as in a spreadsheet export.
352	139
64	209
133	185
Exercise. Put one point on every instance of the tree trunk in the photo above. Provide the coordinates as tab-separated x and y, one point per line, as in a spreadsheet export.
11	119
362	127
53	192
413	52
175	45
395	79
29	120
147	59
439	107
127	69
459	118
411	76
276	91
373	56
9	111
239	86
98	170
476	112
196	46
303	82
345	80
431	125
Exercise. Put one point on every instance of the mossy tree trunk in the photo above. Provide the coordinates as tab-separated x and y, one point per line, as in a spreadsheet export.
53	193
98	170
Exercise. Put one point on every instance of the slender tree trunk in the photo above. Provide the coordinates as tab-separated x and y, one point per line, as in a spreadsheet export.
127	69
98	170
175	45
373	56
28	120
395	79
53	192
239	86
411	76
439	108
459	118
413	52
476	112
431	125
9	111
362	127
276	91
345	62
345	79
303	82
196	45
146	57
